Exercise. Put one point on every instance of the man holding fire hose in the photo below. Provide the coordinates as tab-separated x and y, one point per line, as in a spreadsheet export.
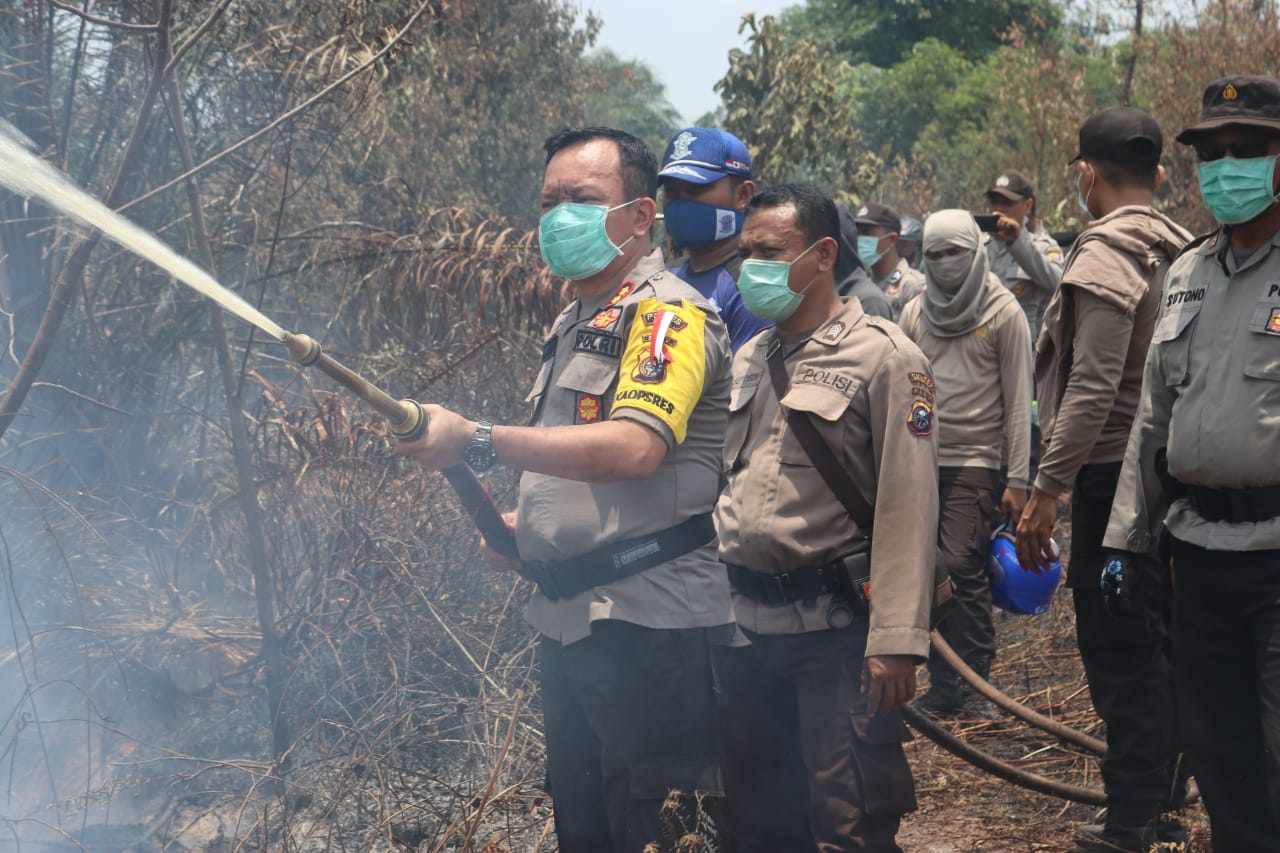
621	470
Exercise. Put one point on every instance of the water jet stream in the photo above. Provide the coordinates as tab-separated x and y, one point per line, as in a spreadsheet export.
26	174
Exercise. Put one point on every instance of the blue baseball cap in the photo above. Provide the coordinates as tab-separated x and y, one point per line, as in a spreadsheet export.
701	155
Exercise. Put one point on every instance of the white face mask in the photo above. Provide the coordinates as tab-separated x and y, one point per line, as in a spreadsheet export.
950	272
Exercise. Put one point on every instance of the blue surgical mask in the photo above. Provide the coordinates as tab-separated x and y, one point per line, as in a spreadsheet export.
573	239
696	223
868	249
765	291
1237	190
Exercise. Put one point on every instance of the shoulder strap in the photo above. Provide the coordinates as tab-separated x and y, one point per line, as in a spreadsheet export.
1195	243
833	474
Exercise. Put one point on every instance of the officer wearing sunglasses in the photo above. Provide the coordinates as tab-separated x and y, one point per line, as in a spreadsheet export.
1202	462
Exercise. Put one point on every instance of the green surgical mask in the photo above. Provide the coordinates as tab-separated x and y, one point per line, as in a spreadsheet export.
869	250
573	239
764	288
1237	190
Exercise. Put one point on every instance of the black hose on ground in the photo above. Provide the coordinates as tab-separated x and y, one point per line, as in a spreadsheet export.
1005	702
922	723
998	767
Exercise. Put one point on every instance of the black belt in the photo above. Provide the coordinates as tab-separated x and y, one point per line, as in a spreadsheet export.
1238	506
618	560
847	578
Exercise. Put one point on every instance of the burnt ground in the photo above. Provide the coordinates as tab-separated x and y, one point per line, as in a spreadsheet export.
965	810
421	731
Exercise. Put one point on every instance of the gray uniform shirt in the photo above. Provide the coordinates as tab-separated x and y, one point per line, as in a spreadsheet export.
595	367
900	286
1031	267
1211	395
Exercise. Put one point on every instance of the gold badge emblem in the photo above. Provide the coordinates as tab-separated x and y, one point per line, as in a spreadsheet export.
1230	93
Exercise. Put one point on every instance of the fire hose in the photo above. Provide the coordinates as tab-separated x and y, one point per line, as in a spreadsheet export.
1000	768
24	173
407	421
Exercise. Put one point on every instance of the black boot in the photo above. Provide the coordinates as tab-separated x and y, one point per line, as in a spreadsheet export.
944	698
1116	836
974	705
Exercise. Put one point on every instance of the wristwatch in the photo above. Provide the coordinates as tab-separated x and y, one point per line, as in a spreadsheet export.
479	454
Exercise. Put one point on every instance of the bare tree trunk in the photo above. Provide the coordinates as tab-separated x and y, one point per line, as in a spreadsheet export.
263	585
1127	92
73	270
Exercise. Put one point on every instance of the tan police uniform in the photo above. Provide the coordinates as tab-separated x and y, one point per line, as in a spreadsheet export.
1031	267
793	781
901	285
627	687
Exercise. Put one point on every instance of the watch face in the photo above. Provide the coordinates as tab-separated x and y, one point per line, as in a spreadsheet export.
479	457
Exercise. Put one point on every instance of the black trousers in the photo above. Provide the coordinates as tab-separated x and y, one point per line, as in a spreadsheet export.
630	716
1226	638
805	768
969	499
1126	662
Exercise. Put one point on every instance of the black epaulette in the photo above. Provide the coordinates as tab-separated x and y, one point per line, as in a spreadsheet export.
1197	242
1221	253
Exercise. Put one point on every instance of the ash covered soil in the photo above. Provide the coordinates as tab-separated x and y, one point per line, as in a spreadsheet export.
416	726
965	810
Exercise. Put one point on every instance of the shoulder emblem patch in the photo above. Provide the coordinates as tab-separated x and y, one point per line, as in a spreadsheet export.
588	409
833	331
623	293
649	370
1273	323
607	319
920	420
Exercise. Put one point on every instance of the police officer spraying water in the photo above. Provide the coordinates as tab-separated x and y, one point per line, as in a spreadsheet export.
621	468
830	437
1210	412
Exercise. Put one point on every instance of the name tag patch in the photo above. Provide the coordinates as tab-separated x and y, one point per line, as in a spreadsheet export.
600	343
831	379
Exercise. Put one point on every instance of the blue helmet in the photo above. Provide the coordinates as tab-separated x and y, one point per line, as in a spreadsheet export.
912	229
1013	588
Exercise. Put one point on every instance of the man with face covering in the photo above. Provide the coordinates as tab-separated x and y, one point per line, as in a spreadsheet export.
620	471
1089	362
706	181
811	735
1210	415
975	335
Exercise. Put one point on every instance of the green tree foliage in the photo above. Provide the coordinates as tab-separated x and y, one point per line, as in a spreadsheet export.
627	95
882	32
791	104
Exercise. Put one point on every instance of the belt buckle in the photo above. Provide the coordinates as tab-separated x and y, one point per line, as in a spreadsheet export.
782	583
540	573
